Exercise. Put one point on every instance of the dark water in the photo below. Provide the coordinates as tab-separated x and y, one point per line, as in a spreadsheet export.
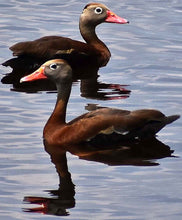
146	56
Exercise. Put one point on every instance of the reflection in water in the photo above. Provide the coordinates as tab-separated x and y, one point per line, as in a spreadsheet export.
63	198
90	87
138	153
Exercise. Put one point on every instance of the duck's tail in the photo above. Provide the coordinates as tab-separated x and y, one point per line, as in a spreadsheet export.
171	118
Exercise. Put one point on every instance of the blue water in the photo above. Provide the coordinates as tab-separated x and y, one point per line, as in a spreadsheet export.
146	56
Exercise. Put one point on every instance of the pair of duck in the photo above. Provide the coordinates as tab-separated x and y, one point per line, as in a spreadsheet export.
65	58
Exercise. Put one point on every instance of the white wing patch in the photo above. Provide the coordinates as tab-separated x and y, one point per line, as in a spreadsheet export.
112	129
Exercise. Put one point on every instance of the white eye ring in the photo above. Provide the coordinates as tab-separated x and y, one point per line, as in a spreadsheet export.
53	66
98	10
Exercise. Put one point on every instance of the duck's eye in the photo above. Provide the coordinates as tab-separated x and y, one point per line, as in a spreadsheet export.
98	10
53	66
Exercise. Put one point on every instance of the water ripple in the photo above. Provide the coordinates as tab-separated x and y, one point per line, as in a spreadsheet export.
146	56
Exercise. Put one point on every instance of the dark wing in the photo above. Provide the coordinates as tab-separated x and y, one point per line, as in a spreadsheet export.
47	46
108	124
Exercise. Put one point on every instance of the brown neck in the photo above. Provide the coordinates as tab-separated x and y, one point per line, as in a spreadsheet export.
89	35
58	116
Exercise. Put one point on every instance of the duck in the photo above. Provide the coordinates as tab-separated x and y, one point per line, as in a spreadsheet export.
82	56
100	126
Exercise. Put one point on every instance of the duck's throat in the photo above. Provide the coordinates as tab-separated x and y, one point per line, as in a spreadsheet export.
100	49
59	114
88	33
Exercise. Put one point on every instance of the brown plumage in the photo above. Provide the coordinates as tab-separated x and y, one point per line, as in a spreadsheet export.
81	56
103	125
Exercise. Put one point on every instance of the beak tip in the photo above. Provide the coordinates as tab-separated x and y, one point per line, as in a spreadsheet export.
23	79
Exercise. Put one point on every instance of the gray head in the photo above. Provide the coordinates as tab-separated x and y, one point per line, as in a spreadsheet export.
57	70
96	13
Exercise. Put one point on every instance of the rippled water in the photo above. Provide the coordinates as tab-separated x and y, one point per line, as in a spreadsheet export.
146	56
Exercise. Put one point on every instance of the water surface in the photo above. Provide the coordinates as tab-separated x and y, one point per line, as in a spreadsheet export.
146	56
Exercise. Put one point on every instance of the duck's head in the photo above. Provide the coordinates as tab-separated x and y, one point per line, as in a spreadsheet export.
96	13
57	70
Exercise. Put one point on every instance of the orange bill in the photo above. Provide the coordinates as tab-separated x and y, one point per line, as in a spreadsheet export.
38	74
113	18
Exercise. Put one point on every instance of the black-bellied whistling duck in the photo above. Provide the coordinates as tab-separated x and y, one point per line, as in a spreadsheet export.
107	124
92	54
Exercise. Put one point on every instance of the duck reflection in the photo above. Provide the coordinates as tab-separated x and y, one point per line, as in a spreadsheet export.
90	87
63	198
136	153
93	89
87	74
